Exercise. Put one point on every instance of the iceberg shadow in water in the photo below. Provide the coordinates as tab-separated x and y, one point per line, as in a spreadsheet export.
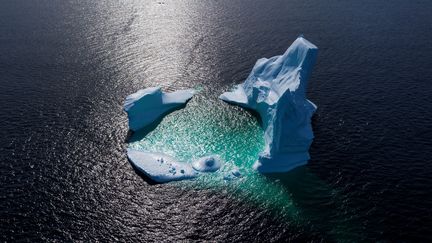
317	200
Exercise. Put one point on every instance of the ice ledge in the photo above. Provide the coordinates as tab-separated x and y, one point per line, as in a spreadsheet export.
160	167
150	104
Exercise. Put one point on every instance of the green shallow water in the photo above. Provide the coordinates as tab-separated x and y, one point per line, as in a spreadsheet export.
211	127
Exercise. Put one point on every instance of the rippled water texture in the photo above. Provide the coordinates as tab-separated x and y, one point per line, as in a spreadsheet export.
67	66
210	127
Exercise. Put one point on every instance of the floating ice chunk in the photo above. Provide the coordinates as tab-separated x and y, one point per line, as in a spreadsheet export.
232	174
207	164
276	90
160	167
150	104
236	172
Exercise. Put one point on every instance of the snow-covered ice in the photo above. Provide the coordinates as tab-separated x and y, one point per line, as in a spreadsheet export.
160	167
148	105
276	89
207	164
163	168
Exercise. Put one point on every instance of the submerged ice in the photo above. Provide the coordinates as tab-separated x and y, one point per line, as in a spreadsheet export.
207	164
276	89
148	105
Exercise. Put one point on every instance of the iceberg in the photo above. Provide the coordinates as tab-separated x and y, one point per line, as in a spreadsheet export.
160	167
276	90
148	105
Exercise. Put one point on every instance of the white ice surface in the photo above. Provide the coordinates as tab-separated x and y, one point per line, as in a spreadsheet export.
276	89
160	167
150	104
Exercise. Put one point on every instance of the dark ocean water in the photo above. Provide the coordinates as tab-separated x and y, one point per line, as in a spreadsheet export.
66	67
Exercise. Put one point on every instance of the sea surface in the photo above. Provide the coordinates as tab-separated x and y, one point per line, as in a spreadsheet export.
66	67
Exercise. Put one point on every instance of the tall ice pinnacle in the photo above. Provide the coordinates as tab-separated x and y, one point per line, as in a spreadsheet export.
276	89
